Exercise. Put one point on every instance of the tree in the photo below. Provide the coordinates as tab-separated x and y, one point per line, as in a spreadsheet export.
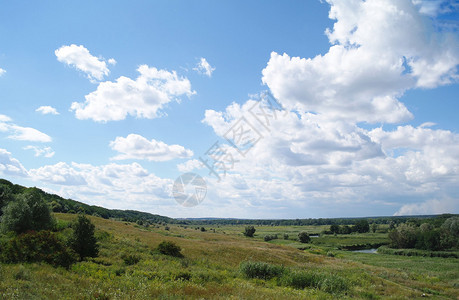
374	227
403	237
5	196
249	231
334	228
345	229
28	212
170	248
83	241
303	237
362	226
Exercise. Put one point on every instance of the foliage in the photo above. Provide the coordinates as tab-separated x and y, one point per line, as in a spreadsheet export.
303	237
130	259
5	196
417	252
83	240
329	283
249	231
361	226
268	237
260	270
27	212
42	246
170	248
334	228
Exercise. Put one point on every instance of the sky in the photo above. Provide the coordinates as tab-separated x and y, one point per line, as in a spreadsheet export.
285	109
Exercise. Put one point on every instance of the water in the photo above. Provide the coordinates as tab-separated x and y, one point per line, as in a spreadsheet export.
373	251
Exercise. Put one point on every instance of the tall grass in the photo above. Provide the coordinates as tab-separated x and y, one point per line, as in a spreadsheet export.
260	270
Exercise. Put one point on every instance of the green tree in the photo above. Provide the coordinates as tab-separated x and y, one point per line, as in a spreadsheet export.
374	227
334	228
249	231
83	241
362	226
5	196
28	212
303	237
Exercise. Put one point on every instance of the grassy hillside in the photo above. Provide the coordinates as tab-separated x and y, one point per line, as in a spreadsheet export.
210	268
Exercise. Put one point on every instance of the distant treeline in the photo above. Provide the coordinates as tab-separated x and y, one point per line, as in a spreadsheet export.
59	204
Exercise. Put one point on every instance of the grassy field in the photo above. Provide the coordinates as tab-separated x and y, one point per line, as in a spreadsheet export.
210	268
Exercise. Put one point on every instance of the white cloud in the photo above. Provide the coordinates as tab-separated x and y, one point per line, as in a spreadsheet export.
190	165
429	207
22	133
143	97
47	110
80	58
2	71
332	166
124	186
11	166
41	151
366	70
203	67
135	146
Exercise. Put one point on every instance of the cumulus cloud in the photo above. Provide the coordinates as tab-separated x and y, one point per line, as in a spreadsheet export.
366	70
135	146
41	151
190	165
22	133
429	207
124	186
203	67
47	110
10	165
80	58
143	97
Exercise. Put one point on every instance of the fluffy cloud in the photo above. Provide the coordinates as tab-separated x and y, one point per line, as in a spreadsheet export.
11	166
189	165
80	58
22	133
2	71
429	207
135	146
125	186
333	166
203	67
47	110
142	98
41	151
366	70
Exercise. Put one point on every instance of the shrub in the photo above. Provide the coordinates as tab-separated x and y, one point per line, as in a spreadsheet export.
42	246
130	259
203	229
303	237
285	236
83	241
329	283
268	238
249	231
170	248
260	270
28	212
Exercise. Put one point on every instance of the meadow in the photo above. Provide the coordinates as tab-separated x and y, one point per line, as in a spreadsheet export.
222	263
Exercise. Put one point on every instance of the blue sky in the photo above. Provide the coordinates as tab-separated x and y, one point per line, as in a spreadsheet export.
108	103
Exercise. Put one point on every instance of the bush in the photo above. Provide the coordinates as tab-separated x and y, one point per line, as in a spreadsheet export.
260	270
83	241
285	236
268	238
169	248
42	246
329	283
303	237
28	212
249	231
130	259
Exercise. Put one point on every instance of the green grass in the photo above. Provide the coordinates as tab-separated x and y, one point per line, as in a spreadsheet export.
212	267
